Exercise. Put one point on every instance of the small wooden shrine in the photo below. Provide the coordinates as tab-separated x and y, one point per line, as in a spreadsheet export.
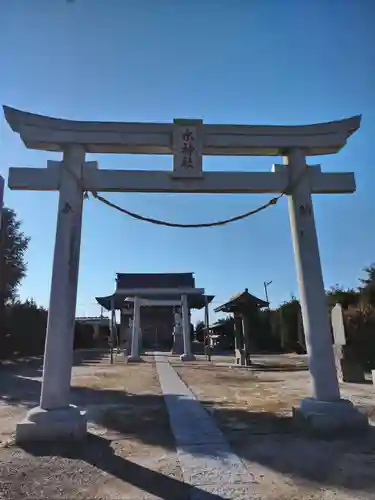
243	306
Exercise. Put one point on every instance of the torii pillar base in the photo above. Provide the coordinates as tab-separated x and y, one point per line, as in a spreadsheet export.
52	425
330	417
187	357
134	359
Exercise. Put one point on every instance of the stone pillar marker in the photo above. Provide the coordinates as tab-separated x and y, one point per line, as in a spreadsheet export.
55	416
338	326
348	366
325	409
188	355
134	356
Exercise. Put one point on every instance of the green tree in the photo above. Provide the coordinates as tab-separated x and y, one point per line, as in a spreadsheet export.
199	331
225	328
339	295
367	287
291	337
13	267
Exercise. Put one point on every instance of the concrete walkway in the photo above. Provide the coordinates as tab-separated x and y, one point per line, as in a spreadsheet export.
206	459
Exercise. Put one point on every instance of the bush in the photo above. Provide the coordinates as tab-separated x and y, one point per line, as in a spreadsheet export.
25	331
83	336
360	333
25	327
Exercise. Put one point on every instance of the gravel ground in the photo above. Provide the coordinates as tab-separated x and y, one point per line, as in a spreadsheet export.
129	454
253	409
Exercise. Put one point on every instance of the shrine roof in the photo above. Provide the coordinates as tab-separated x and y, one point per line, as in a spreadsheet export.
155	280
241	301
194	301
53	134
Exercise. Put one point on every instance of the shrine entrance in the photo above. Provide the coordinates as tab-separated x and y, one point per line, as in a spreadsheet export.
187	141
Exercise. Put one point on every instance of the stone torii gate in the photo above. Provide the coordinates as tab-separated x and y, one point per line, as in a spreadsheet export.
187	141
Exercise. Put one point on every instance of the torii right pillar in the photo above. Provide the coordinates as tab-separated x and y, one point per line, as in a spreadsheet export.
325	411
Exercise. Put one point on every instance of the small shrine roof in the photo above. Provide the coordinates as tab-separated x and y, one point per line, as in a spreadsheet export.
240	302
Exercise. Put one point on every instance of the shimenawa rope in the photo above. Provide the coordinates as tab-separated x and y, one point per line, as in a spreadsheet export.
291	185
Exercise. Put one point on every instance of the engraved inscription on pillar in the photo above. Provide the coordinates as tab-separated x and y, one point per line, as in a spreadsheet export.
305	210
187	149
73	256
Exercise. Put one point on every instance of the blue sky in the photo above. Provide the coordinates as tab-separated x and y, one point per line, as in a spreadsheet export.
243	61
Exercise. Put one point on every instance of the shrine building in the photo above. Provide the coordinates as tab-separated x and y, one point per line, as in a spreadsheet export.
161	311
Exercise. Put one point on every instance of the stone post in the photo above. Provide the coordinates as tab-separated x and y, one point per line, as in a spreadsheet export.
134	356
188	355
54	418
325	409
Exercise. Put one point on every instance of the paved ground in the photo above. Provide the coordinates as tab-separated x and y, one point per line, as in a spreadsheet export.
131	451
205	456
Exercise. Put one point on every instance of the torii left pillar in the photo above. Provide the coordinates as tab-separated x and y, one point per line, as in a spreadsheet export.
55	418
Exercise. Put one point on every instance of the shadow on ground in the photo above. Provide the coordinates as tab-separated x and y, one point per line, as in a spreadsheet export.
253	368
278	368
98	453
32	366
257	437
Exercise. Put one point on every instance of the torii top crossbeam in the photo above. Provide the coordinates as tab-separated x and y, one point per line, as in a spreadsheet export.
51	134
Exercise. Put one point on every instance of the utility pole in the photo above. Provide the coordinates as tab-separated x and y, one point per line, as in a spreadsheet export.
266	285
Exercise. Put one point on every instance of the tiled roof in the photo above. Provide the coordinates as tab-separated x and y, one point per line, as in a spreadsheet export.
155	280
194	301
241	300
